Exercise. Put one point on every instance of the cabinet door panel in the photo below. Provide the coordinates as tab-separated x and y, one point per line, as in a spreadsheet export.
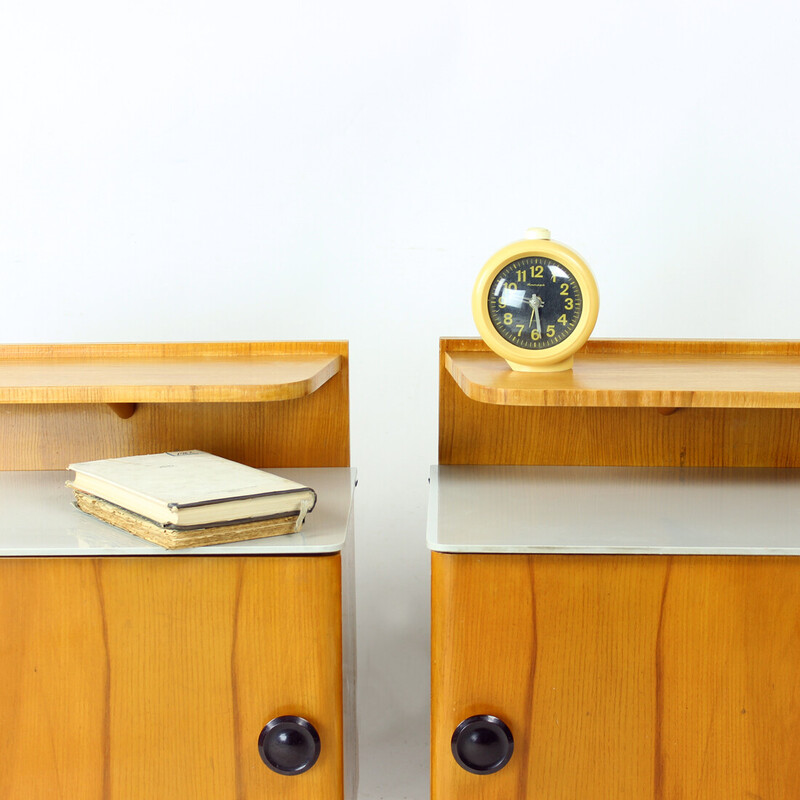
620	676
153	677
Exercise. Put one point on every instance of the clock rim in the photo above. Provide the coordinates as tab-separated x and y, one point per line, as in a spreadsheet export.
549	249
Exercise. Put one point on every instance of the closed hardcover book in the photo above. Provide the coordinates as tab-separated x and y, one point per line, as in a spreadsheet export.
190	497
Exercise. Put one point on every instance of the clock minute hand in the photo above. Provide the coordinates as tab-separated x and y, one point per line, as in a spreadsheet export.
536	303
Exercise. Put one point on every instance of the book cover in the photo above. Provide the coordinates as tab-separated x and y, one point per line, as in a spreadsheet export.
189	488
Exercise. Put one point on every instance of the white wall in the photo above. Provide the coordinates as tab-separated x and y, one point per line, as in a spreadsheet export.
240	170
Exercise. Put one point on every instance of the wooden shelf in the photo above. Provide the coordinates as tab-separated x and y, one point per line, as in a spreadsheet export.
644	373
163	373
282	404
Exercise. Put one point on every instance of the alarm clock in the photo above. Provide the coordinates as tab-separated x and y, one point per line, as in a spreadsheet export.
535	303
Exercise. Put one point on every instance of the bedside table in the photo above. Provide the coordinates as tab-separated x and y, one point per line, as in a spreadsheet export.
131	671
615	581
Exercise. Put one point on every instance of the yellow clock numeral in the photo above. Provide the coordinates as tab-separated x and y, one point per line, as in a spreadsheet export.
568	303
508	319
563	318
519	329
521	275
538	271
535	335
564	288
551	331
511	287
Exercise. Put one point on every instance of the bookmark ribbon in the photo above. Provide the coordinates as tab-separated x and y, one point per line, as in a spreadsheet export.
305	507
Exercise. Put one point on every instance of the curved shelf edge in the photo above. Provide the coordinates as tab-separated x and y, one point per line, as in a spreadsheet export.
664	381
122	383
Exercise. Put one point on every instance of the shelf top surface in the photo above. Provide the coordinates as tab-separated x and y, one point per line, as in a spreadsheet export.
641	374
624	510
39	519
224	372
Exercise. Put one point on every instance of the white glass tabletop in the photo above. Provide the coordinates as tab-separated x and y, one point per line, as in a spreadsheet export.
37	518
648	510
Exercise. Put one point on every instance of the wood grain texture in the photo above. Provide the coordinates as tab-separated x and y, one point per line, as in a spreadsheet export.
309	431
634	381
179	373
643	677
659	375
152	677
473	432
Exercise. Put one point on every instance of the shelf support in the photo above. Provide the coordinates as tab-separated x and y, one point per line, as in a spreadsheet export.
123	410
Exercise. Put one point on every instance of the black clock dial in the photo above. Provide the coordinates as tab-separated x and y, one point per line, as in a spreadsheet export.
535	302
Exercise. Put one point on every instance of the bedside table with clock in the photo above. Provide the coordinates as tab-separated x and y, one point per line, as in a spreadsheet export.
615	573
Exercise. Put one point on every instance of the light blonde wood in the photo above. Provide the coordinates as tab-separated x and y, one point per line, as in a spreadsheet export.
178	373
656	376
152	677
308	431
312	432
473	432
642	677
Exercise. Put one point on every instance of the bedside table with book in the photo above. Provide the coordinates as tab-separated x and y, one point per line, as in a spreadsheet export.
128	670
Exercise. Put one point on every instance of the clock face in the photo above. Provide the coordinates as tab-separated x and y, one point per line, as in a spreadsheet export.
535	302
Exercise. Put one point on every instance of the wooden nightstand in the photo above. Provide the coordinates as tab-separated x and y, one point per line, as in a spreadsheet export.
616	588
128	671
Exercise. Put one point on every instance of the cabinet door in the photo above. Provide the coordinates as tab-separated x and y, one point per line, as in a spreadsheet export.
153	677
619	676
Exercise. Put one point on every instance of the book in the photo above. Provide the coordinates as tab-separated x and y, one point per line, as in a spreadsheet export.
189	497
175	538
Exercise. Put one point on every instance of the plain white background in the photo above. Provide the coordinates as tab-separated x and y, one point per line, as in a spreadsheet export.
206	170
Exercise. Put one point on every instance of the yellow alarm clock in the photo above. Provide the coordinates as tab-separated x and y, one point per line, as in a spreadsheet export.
535	303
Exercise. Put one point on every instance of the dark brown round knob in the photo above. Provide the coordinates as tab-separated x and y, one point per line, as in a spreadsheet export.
482	744
289	745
